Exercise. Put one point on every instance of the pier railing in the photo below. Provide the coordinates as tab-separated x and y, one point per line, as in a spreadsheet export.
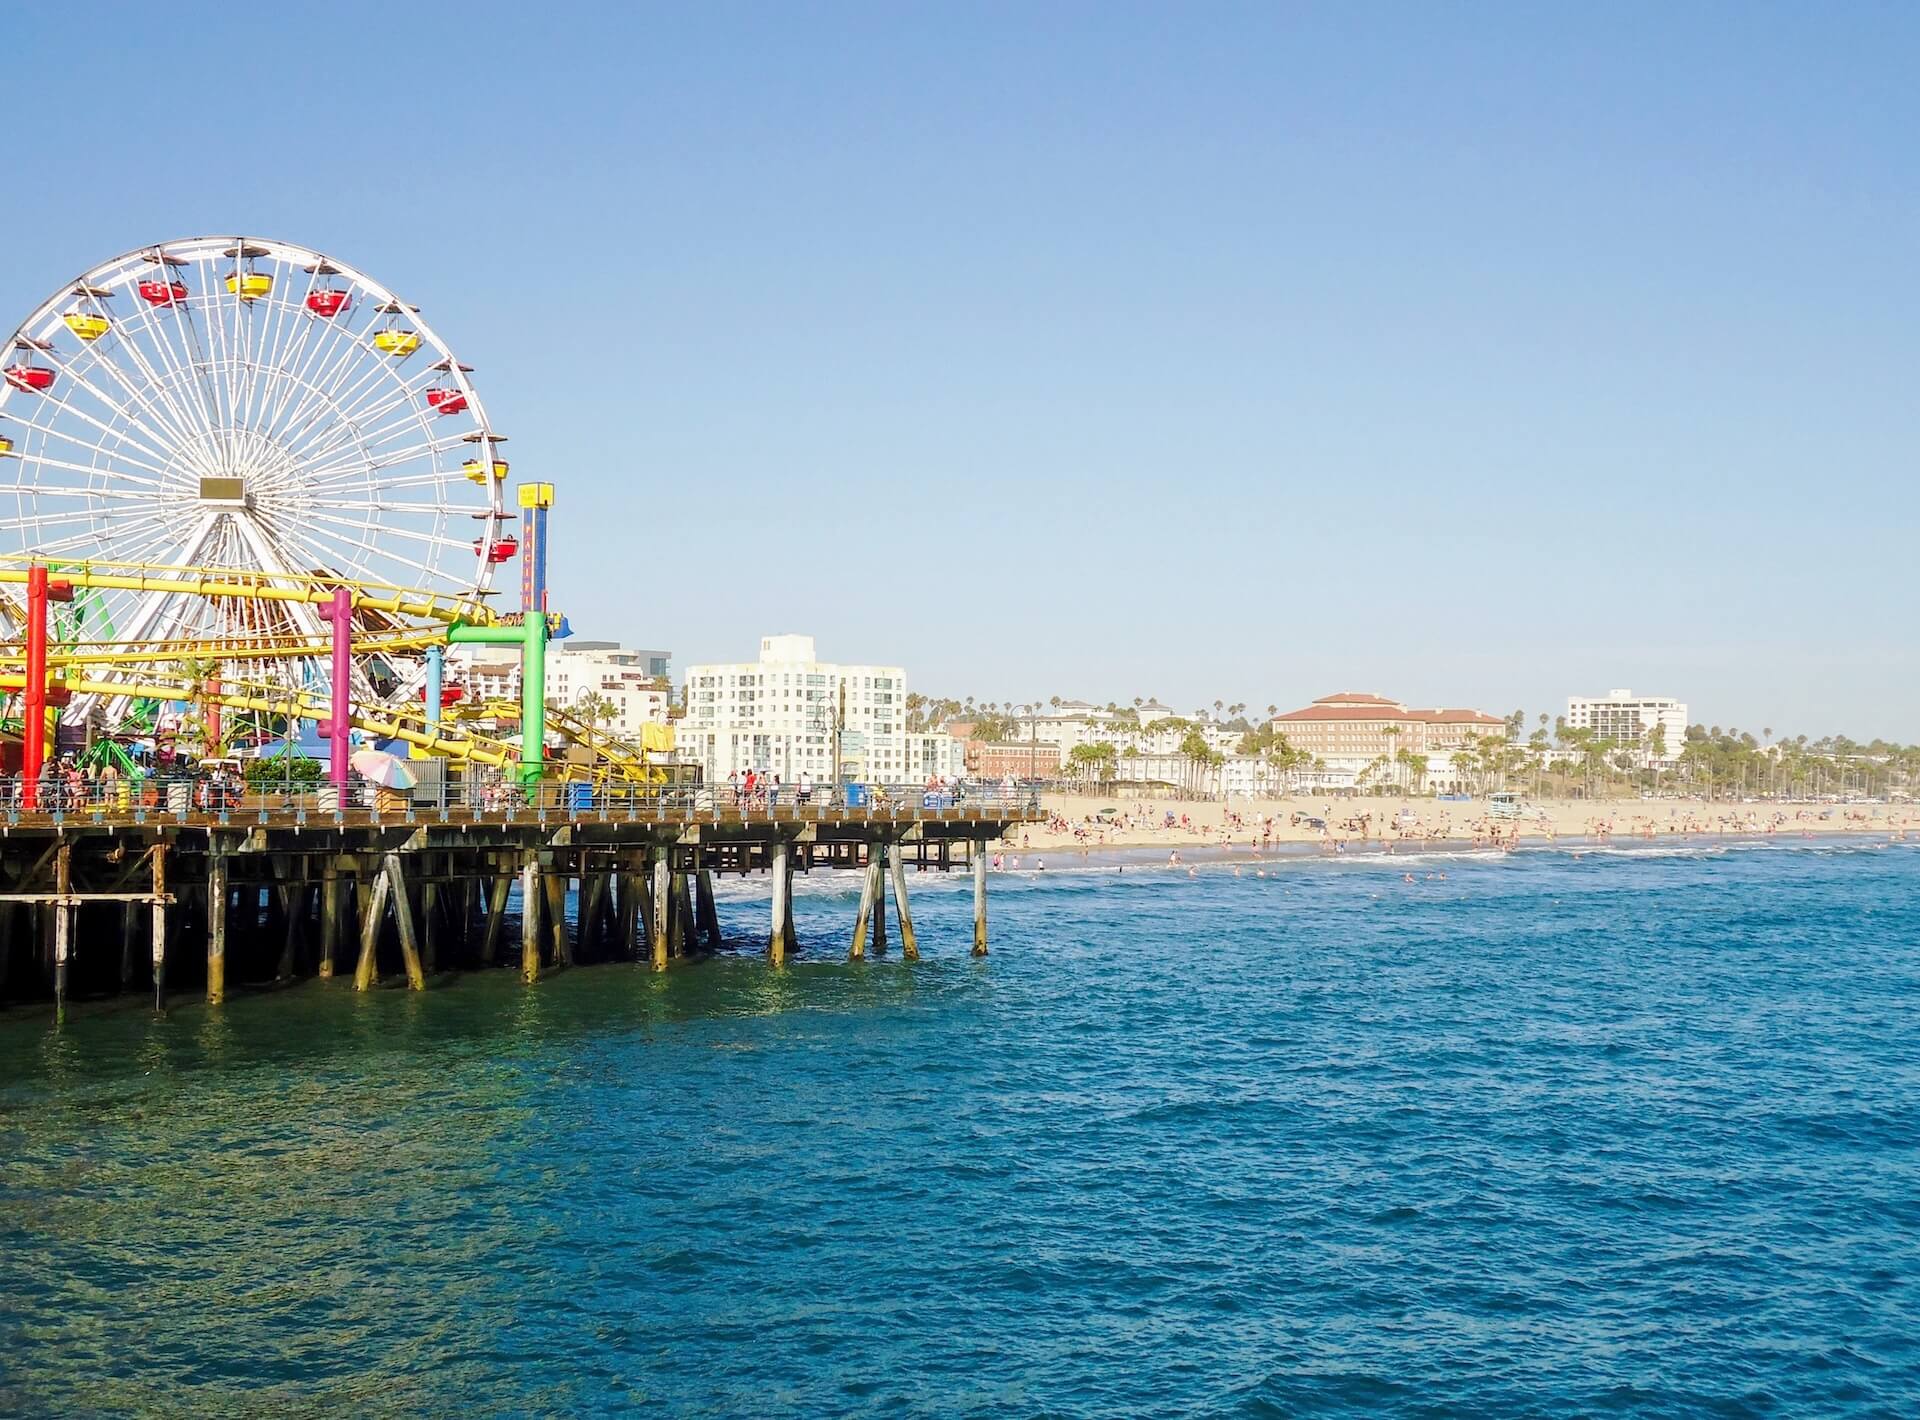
218	799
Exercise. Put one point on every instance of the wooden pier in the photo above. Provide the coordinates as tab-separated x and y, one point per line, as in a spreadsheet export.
101	902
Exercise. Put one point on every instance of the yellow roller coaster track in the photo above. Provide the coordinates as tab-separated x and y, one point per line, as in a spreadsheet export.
253	648
619	756
312	588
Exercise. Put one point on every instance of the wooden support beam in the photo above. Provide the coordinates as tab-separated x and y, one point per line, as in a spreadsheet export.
863	920
662	906
216	928
705	909
159	926
627	901
129	935
293	900
533	893
430	906
403	916
593	901
682	943
373	915
496	915
329	915
979	899
557	917
782	886
877	865
909	949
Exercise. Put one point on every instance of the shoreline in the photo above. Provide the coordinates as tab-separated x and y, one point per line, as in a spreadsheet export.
1394	822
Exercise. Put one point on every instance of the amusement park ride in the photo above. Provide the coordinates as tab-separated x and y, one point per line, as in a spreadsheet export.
237	475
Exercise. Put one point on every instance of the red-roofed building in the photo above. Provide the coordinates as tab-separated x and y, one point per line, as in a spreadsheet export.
1352	729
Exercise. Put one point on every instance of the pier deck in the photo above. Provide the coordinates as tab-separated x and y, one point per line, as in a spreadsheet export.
110	898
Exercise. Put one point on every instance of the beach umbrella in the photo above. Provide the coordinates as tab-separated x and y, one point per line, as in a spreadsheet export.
386	770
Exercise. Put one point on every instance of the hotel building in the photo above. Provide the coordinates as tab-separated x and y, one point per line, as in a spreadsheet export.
1352	729
780	715
1629	719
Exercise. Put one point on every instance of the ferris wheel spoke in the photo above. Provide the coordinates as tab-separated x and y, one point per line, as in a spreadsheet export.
64	403
369	558
346	472
65	436
171	372
346	415
165	427
406	417
186	419
316	401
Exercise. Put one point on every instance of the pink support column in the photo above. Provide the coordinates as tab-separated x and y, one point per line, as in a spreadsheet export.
340	716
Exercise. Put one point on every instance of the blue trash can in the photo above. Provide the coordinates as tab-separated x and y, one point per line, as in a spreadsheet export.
856	796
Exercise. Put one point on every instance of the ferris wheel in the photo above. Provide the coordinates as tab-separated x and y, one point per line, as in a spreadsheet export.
246	404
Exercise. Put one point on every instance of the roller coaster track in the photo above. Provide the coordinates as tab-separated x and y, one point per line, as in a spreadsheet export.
314	588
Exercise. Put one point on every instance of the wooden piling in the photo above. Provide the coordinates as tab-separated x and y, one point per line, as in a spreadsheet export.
782	886
403	917
681	942
159	861
557	916
863	920
662	905
496	915
216	928
373	914
979	899
430	909
909	949
329	915
532	893
705	909
627	894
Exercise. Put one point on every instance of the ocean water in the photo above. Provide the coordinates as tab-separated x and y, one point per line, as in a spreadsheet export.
1632	1133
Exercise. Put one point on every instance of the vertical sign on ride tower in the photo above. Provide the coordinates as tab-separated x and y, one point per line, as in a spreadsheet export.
535	500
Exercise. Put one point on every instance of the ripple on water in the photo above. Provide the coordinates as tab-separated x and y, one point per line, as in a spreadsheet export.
1629	1134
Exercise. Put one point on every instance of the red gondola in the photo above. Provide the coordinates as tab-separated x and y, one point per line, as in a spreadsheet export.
35	379
326	303
163	293
446	401
505	550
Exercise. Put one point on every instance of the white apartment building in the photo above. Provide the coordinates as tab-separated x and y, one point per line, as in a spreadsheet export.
585	674
1629	719
780	715
627	680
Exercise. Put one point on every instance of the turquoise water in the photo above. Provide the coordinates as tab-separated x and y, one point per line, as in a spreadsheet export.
1633	1133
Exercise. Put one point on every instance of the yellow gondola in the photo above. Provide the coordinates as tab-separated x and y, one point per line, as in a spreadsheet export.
88	327
249	285
396	342
6	446
476	469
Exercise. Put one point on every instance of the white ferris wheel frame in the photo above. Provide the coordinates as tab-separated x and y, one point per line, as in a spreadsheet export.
344	468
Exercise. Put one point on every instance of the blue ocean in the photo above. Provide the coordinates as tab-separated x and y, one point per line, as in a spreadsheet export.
1632	1132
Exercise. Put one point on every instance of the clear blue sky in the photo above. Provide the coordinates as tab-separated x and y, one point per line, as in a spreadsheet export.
1472	354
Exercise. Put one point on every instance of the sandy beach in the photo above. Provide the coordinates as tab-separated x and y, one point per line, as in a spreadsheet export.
1087	822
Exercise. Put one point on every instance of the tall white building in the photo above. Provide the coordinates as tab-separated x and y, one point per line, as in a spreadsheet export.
780	715
1629	719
